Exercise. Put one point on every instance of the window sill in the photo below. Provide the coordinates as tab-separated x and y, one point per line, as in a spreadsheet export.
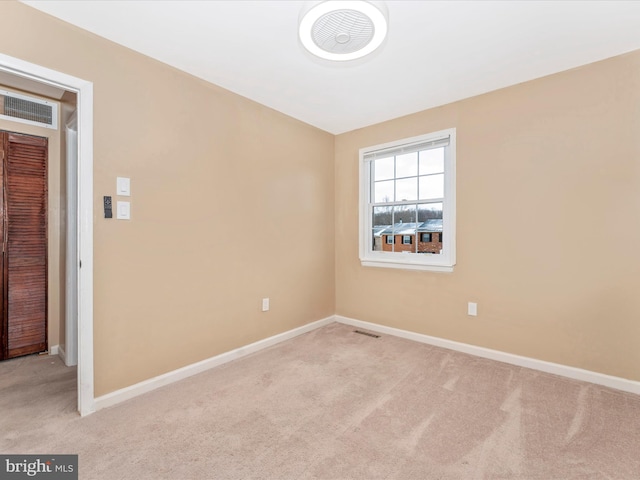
406	266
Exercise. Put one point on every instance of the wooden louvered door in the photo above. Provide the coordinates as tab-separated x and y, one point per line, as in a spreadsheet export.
23	228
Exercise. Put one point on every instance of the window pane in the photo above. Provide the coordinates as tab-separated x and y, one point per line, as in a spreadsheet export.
382	223
404	227
431	186
383	169
382	216
429	211
404	215
430	227
407	189
432	161
407	165
383	191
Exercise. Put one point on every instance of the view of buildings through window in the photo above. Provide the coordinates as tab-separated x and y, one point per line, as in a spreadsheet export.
408	192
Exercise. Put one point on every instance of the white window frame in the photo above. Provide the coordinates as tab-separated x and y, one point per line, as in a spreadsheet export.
406	240
445	261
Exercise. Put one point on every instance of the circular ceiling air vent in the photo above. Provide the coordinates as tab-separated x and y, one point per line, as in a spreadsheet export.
343	30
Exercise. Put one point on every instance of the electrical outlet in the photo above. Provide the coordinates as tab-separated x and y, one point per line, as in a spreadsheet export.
265	304
472	309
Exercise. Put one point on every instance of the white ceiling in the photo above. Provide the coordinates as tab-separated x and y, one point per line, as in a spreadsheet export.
436	52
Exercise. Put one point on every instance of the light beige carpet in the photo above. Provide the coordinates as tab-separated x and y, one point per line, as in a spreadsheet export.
333	404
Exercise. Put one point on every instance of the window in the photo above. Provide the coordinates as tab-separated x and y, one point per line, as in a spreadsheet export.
408	188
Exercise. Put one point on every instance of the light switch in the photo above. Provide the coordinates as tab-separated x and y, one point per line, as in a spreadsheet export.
123	186
124	211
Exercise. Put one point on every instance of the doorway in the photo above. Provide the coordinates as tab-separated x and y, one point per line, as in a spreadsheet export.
82	266
23	233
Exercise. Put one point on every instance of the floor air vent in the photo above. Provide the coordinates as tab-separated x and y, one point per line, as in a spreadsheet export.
366	333
23	109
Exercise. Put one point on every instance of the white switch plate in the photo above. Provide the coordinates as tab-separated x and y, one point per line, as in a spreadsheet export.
265	304
123	186
472	309
123	211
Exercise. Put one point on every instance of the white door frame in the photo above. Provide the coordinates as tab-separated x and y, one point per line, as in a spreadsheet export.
70	356
84	253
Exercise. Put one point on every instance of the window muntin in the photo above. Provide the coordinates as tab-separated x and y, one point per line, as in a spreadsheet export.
408	189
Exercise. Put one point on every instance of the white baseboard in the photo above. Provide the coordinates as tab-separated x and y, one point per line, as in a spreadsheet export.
145	386
62	354
54	350
618	383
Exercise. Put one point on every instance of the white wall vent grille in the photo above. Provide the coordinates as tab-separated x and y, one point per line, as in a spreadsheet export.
23	109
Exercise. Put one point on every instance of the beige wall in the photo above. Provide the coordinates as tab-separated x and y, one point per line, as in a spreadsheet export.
548	244
55	253
183	281
548	202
